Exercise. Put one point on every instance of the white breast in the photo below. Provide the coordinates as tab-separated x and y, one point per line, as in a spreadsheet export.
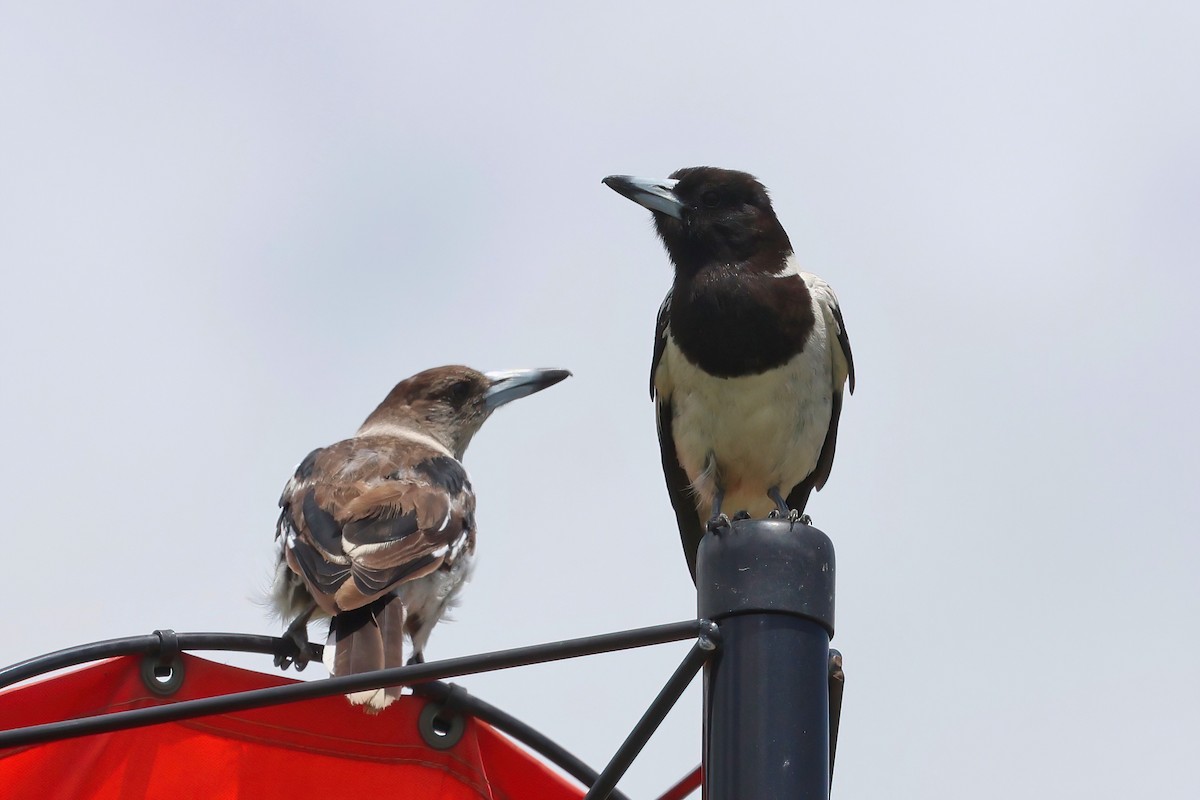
752	433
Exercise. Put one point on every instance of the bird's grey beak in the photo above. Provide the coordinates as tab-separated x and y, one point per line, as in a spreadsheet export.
514	384
656	195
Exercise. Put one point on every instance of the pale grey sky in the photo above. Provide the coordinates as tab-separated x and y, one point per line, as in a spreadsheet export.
227	229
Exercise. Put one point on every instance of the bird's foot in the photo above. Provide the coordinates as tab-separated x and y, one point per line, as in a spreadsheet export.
414	659
782	510
717	524
293	649
717	521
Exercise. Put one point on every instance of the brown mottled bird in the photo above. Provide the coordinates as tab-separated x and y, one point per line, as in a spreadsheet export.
378	531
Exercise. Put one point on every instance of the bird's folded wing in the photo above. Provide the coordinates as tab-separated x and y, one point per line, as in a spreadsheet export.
372	514
660	338
843	360
842	368
678	486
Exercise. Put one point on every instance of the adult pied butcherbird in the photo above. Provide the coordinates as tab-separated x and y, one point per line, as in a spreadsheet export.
750	354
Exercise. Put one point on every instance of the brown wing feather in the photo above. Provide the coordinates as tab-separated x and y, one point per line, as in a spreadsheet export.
366	517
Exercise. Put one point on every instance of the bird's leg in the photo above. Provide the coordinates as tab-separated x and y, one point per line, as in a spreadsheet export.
781	506
718	521
782	510
294	648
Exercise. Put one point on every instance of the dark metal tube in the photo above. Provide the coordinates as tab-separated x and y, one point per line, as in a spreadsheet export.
769	586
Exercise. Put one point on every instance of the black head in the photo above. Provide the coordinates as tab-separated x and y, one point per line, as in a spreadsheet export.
708	215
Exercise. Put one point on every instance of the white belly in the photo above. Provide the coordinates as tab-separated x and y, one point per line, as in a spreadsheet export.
746	435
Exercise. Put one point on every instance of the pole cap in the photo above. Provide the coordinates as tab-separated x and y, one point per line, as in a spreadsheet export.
770	565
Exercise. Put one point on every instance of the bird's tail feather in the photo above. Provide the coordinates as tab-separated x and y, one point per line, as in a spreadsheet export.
368	639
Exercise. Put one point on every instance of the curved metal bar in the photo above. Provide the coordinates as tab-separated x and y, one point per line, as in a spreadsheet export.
461	700
506	723
130	645
396	676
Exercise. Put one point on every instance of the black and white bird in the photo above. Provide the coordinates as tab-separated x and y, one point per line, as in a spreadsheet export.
750	354
377	532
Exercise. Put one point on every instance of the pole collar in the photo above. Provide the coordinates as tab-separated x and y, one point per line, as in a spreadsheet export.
766	565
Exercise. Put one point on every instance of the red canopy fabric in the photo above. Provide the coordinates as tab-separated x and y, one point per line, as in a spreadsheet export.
319	749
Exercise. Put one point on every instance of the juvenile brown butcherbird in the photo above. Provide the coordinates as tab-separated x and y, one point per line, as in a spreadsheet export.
377	532
750	354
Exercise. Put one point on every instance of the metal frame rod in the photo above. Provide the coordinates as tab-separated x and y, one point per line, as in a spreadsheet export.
253	643
655	714
150	643
396	676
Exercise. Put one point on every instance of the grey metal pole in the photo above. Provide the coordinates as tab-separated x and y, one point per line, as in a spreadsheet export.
769	585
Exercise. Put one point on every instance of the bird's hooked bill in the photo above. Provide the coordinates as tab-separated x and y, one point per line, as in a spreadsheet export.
654	194
513	384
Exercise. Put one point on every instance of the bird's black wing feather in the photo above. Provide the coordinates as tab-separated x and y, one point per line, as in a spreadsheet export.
319	572
660	338
679	488
798	497
386	527
844	341
691	530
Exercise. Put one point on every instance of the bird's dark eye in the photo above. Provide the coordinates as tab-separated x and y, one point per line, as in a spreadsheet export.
459	391
711	199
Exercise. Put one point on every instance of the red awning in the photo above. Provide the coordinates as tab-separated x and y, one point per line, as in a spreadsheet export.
320	748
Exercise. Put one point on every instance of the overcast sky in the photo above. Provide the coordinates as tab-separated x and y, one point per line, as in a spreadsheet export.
227	229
